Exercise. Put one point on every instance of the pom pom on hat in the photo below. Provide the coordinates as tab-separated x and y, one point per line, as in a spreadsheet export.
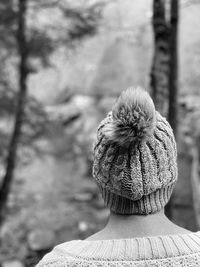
133	117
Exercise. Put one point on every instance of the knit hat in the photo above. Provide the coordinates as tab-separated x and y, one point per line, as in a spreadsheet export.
135	157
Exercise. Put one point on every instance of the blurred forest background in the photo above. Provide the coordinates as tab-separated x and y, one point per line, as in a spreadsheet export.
63	63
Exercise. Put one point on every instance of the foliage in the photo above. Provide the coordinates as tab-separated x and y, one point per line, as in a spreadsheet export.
23	42
42	40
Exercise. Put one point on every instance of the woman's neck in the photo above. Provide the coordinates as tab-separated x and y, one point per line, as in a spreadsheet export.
130	226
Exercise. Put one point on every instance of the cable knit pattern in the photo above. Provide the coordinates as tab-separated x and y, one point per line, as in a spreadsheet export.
160	251
136	173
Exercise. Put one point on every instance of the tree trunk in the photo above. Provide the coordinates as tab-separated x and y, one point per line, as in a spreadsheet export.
173	79
12	150
160	67
173	67
164	67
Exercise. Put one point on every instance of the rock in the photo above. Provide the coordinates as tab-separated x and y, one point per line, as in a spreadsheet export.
62	113
41	239
74	107
12	263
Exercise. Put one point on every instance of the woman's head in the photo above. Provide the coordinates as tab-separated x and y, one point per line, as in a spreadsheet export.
135	156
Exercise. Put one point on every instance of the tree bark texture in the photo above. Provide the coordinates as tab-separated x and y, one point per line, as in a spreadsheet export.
173	66
173	80
12	150
160	67
164	72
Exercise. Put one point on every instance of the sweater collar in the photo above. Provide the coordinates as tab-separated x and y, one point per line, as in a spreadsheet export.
141	248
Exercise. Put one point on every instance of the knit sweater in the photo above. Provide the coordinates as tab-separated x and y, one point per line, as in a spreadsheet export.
159	251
